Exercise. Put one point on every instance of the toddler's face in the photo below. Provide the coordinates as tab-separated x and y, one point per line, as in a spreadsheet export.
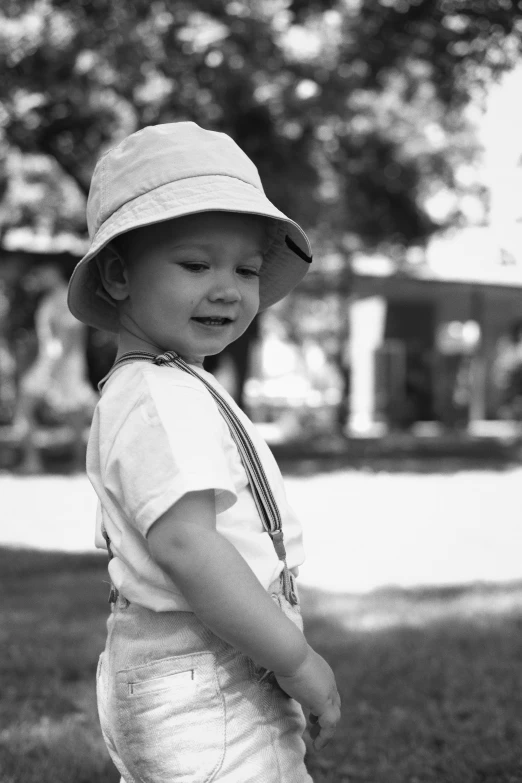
193	282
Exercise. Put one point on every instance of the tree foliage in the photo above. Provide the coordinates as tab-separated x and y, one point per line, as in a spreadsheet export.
352	111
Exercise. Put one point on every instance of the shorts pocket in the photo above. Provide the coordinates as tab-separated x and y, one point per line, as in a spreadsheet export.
101	689
171	719
98	668
185	679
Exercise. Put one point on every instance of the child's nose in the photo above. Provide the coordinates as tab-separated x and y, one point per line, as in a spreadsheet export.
225	288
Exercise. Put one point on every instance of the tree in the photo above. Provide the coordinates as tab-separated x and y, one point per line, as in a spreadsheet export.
350	109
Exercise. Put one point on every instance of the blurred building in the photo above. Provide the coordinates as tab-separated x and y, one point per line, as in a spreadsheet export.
427	333
368	343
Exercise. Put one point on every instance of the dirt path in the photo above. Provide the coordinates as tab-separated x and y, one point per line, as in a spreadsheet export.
362	530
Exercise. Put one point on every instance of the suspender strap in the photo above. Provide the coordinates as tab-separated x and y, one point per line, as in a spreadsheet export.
261	491
264	499
113	592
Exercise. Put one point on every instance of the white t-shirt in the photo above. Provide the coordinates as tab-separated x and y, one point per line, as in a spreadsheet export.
157	434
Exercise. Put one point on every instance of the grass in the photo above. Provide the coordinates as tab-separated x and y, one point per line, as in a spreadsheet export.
430	679
51	633
430	683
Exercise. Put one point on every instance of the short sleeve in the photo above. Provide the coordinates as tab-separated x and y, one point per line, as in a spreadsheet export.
171	443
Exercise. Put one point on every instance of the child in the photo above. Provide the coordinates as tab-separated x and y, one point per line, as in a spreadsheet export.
206	669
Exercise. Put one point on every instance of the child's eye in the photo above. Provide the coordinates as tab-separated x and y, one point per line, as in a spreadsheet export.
196	266
193	266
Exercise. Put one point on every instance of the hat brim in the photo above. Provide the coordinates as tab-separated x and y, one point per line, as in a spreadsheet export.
282	269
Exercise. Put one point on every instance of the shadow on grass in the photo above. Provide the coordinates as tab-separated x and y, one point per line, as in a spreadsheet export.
429	678
398	453
312	466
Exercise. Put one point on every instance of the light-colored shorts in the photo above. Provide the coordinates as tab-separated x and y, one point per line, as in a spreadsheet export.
177	704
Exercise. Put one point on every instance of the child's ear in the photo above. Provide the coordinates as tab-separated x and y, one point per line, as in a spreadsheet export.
113	273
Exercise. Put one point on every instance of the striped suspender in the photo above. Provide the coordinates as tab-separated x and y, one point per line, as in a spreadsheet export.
261	491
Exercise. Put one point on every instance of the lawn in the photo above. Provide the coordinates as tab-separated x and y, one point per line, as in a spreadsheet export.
430	679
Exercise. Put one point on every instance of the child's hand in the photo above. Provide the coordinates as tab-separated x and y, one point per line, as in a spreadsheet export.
313	686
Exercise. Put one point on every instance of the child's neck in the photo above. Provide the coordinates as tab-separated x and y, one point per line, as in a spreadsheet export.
128	343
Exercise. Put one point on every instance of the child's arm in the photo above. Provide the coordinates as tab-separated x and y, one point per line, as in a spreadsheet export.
227	597
221	588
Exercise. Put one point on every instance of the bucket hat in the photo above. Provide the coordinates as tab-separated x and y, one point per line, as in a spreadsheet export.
167	171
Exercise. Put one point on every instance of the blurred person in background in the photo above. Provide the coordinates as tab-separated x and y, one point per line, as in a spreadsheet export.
55	389
507	373
7	364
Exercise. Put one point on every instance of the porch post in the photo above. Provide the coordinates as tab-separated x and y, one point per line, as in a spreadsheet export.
367	318
477	405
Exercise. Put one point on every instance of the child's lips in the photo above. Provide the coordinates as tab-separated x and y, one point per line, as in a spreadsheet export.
212	321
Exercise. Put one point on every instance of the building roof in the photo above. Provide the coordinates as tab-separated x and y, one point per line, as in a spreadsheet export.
477	254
